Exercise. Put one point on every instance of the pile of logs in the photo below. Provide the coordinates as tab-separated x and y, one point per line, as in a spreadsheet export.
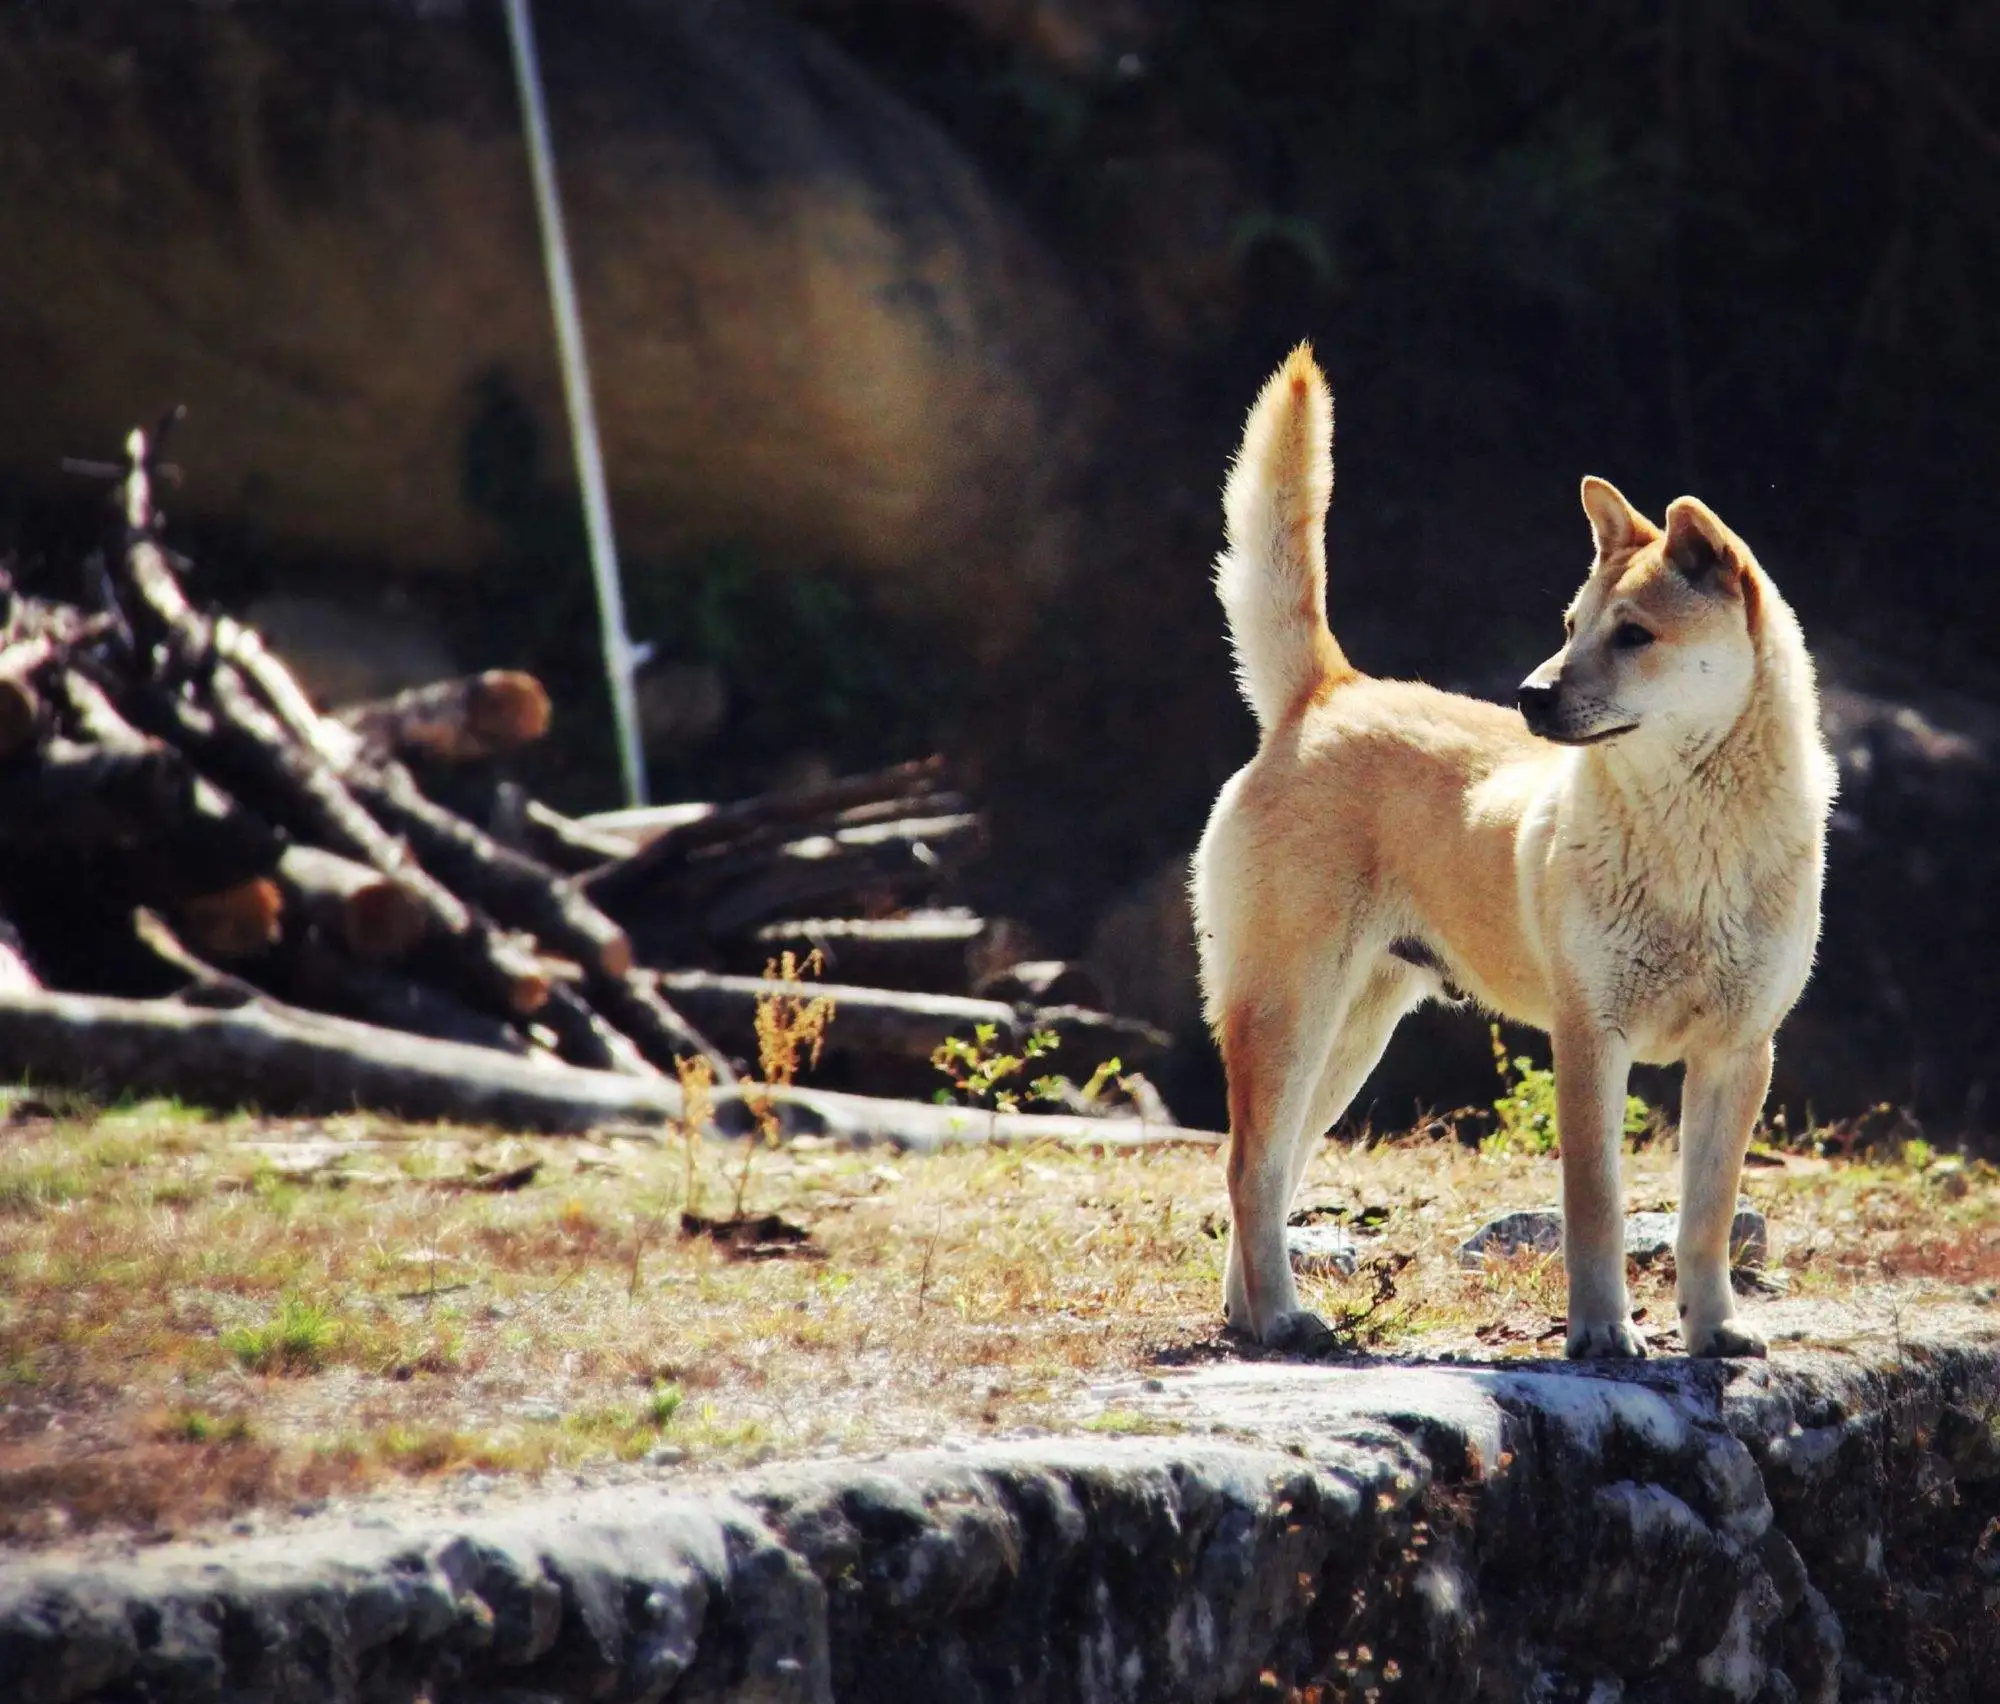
209	887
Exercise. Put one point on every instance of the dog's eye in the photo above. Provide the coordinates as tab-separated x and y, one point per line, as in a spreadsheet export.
1630	636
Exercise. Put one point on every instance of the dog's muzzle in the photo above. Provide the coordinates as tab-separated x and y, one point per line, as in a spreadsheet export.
1537	701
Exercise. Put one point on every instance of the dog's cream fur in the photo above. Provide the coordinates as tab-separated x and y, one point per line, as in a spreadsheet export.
1639	876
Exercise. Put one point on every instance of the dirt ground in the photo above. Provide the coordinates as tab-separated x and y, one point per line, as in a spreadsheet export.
203	1317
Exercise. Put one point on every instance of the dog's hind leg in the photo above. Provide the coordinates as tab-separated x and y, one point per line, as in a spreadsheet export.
1718	1108
1293	1066
1390	994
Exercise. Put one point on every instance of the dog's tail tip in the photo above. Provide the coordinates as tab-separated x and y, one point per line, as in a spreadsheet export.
1302	372
1272	578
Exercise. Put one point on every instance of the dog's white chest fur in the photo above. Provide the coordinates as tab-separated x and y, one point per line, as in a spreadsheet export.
1685	919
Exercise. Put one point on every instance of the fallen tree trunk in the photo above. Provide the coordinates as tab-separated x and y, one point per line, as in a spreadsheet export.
265	1055
282	1060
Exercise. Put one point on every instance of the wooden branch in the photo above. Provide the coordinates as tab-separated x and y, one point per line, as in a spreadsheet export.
282	1060
276	686
17	975
809	873
23	716
691	906
624	881
584	1037
890	1024
374	916
205	842
78	799
453	721
206	985
924	952
516	889
637	826
319	975
529	826
633	1005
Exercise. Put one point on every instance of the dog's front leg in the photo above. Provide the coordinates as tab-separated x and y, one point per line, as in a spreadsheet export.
1591	1067
1719	1107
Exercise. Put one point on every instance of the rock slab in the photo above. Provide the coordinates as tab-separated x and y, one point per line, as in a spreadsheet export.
1818	1527
1648	1236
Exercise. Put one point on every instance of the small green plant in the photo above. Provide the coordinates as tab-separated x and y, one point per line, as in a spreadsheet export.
195	1426
663	1402
297	1340
1526	1106
978	1067
1130	1423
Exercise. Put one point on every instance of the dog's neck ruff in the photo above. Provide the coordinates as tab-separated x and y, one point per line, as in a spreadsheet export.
1766	775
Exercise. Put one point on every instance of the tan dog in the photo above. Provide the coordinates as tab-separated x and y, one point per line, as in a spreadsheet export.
1631	862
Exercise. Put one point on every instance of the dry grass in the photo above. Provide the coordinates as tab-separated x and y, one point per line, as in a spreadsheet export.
200	1314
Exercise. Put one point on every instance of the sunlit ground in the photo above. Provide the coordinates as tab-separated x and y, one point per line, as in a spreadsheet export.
197	1315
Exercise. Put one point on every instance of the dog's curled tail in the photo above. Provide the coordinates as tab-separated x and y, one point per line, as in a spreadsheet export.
1272	576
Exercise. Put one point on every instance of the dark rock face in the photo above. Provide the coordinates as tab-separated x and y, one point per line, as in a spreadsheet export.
815	332
1896	1010
1810	1529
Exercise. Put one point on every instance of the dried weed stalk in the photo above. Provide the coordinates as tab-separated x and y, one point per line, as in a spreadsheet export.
788	1026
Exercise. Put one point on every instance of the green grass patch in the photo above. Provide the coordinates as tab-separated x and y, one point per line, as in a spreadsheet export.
298	1339
197	1426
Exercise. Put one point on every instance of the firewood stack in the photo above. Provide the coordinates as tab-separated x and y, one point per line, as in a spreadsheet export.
180	826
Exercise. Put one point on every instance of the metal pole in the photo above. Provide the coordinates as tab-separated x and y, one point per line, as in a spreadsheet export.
619	657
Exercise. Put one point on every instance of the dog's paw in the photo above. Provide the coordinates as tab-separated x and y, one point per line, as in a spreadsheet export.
1299	1332
1727	1339
1605	1340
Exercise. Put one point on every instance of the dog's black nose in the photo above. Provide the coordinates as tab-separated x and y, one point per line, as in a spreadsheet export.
1537	700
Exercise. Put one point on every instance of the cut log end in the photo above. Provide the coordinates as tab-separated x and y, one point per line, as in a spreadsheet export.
238	923
614	955
382	920
506	708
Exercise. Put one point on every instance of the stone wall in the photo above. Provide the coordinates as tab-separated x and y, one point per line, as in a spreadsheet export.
1818	1527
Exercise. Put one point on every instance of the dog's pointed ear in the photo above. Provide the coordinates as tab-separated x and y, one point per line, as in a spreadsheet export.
1614	523
1700	549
